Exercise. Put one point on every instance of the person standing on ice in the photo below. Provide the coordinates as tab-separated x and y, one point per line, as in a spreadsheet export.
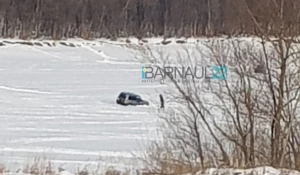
162	103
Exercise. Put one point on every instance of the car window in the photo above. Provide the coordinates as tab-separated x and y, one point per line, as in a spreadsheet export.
122	95
131	97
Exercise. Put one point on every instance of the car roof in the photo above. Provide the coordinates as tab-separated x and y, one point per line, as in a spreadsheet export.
129	93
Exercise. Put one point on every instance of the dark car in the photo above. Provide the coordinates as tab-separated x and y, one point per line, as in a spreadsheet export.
127	98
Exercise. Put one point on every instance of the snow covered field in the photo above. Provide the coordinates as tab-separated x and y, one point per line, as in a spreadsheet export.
59	102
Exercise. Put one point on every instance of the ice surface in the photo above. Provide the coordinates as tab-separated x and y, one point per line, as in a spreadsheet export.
59	102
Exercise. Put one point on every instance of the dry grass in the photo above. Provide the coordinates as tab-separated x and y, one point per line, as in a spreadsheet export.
45	167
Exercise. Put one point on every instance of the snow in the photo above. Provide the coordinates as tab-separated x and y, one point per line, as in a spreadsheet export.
266	170
230	171
259	171
59	102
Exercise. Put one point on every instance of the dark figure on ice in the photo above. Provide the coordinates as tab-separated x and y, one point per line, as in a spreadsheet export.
162	103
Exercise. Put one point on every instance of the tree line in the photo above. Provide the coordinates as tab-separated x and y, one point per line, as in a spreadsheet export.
145	18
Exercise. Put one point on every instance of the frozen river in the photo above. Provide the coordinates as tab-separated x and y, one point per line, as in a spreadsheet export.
59	102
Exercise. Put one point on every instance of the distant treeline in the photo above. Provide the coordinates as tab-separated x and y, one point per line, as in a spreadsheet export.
146	18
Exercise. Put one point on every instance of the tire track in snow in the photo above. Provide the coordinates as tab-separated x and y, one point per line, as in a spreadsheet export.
69	151
43	52
78	138
58	57
108	59
26	90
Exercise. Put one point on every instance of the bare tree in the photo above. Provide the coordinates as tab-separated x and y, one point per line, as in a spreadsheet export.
249	119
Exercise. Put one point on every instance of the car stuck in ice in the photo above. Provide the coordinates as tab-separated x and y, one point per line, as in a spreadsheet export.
127	98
